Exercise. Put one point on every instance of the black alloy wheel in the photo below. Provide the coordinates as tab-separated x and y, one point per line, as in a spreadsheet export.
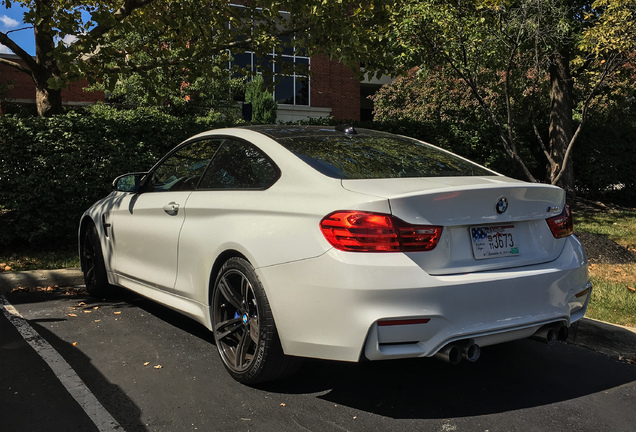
243	326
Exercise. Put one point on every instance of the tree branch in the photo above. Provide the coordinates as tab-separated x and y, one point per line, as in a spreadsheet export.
22	54
119	15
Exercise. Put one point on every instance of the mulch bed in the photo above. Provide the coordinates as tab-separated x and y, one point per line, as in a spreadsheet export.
600	249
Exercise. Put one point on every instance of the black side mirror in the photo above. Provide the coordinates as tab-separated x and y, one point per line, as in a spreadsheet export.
128	182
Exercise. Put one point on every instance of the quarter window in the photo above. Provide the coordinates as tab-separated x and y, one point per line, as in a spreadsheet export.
238	165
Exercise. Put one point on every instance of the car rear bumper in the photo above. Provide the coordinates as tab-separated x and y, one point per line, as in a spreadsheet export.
332	308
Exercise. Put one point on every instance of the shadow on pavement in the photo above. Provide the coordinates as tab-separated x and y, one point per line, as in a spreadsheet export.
508	377
111	396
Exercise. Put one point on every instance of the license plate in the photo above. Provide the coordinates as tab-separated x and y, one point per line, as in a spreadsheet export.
494	241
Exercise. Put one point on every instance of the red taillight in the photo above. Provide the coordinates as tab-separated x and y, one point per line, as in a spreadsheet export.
561	225
356	231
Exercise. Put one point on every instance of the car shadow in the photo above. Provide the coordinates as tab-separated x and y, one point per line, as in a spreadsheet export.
512	376
508	377
110	395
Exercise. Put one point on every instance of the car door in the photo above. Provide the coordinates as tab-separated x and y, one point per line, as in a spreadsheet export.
146	225
224	208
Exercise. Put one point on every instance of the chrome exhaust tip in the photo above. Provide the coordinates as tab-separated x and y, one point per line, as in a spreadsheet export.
471	352
551	333
450	354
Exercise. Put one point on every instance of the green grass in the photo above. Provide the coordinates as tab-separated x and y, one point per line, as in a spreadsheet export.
614	294
618	225
39	260
612	302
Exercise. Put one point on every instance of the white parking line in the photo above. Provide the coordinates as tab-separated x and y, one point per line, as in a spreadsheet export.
67	376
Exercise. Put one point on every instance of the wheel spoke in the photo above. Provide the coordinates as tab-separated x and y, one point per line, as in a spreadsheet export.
229	293
245	289
243	354
227	328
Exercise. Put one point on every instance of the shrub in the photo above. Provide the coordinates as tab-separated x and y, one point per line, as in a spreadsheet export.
52	169
264	106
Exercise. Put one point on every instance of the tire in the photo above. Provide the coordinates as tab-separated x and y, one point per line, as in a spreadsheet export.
244	328
92	262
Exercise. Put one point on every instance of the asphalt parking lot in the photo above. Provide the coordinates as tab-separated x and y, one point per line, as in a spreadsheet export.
129	364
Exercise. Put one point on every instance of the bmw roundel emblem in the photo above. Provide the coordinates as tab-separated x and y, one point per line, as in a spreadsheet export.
502	205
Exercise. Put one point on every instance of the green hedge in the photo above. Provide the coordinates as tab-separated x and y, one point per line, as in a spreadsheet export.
52	169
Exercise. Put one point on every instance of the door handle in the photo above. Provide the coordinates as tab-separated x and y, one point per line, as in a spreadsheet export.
172	209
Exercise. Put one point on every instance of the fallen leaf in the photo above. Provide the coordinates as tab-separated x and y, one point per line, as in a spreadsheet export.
81	304
74	344
283	405
631	289
117	313
97	321
87	311
146	363
96	307
158	367
72	315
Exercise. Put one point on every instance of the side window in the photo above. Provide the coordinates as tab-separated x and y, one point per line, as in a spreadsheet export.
182	170
239	165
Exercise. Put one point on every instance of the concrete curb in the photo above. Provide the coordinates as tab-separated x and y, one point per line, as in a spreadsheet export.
599	336
610	339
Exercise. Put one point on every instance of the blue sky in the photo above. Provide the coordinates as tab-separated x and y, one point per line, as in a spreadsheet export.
11	20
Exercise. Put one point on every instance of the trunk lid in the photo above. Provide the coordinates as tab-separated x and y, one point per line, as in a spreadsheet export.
489	222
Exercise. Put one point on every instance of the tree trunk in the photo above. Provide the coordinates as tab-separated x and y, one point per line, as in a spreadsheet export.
561	124
47	99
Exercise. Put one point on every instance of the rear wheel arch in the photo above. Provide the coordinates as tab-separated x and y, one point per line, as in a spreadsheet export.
216	267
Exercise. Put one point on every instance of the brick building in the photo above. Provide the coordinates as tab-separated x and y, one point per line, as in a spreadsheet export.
22	89
332	90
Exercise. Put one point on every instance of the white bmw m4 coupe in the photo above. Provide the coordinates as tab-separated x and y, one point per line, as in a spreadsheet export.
341	244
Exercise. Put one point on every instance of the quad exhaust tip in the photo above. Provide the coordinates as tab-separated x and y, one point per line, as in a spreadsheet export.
454	353
551	333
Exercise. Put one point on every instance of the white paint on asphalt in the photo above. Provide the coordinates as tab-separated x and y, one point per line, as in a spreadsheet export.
64	372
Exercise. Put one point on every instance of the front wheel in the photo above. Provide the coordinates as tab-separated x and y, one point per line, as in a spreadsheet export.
244	328
92	262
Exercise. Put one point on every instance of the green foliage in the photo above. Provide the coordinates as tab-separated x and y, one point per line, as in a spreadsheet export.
503	52
52	169
436	107
156	38
203	96
264	106
605	161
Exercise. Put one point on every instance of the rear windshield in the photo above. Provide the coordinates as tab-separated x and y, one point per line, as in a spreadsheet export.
378	156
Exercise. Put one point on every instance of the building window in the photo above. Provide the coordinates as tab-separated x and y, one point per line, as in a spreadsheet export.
289	88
